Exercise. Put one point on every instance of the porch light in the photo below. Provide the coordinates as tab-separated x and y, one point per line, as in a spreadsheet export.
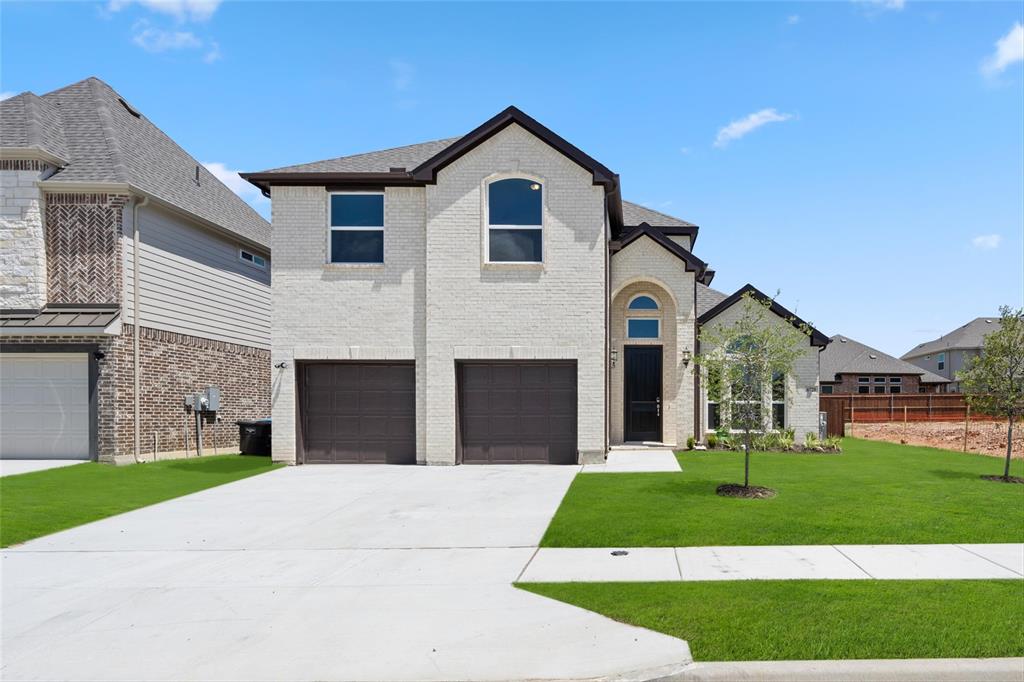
613	354
687	356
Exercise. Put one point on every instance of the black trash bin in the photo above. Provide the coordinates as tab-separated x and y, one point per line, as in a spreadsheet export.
254	437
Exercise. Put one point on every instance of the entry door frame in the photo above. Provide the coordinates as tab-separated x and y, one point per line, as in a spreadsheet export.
626	392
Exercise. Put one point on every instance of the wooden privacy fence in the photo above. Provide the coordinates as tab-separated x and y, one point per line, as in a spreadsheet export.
894	407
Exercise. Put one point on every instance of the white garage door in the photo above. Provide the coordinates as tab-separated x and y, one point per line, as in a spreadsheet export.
44	406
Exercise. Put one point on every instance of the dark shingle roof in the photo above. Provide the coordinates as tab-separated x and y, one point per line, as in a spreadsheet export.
28	121
634	214
708	298
382	161
106	141
971	335
846	356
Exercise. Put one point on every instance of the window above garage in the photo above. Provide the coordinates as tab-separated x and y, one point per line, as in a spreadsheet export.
356	221
515	221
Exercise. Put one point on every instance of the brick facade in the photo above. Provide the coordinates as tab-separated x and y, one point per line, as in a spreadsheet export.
83	238
172	365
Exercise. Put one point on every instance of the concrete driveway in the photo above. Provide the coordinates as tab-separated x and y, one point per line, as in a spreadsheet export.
315	573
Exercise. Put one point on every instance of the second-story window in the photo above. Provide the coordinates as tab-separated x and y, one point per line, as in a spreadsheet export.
515	221
357	227
942	361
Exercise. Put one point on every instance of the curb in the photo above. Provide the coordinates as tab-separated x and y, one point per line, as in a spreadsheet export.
882	670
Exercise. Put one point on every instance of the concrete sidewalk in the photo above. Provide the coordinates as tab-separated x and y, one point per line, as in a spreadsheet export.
796	562
632	461
12	467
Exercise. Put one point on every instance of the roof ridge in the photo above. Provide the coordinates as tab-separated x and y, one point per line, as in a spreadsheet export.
449	140
103	112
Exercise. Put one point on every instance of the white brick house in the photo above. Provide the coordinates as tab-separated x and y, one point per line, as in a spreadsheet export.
484	299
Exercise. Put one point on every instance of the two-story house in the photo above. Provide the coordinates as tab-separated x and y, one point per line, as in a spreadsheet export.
486	299
848	366
947	355
98	347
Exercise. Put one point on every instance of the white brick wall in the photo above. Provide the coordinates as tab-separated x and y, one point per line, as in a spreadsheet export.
801	387
552	311
22	245
644	266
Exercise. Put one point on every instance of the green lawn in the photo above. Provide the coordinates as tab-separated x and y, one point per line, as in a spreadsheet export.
872	493
817	619
44	502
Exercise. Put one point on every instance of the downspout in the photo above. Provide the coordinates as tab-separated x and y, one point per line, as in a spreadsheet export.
136	320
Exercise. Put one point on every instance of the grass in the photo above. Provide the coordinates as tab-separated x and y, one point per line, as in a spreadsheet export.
872	493
44	502
817	619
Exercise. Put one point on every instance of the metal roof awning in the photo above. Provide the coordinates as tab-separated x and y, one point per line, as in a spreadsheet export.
91	319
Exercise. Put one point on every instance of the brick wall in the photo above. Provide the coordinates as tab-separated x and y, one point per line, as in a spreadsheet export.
172	365
848	383
83	247
22	243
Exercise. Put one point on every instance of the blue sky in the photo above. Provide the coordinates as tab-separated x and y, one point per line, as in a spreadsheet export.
866	159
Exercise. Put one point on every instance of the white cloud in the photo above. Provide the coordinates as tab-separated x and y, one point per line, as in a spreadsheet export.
402	74
685	151
748	124
236	184
193	10
6	94
883	5
153	39
213	53
987	242
793	19
1009	50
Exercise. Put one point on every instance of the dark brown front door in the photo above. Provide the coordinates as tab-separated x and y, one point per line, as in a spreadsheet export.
517	412
358	412
643	393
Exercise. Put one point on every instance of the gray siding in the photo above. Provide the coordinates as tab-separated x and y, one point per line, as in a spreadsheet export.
193	282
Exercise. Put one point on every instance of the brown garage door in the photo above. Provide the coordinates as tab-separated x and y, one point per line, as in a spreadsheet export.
358	412
517	412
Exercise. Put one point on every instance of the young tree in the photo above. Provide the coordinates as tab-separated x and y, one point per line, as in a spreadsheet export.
994	380
740	360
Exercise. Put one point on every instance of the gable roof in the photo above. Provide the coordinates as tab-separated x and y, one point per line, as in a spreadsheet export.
971	335
634	214
846	356
100	138
704	275
406	165
708	298
817	338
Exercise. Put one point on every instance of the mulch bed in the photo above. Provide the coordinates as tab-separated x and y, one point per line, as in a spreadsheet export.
1000	479
752	492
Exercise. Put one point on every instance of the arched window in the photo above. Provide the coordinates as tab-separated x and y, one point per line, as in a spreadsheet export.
515	221
644	321
643	303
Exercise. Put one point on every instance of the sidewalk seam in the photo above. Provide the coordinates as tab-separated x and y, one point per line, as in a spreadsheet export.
836	548
991	561
527	565
679	566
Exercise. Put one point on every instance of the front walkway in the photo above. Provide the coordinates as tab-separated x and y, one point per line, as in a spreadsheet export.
623	460
315	573
807	562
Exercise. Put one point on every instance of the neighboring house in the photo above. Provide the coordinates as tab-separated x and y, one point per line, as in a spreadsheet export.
950	353
485	299
86	178
848	366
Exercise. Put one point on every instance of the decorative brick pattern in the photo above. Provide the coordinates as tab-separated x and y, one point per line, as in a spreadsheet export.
83	247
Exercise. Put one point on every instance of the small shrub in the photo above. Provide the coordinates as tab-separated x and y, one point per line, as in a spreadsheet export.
811	442
712	441
833	444
690	443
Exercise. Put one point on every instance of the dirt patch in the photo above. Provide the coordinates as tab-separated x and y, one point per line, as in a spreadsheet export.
1000	479
983	437
750	492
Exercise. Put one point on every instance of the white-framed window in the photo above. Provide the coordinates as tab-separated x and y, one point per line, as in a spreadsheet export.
515	221
356	227
895	380
643	317
942	361
252	258
778	401
826	389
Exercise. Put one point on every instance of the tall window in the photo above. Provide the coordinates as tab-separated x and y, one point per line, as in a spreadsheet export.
942	361
515	220
357	227
714	400
778	401
644	321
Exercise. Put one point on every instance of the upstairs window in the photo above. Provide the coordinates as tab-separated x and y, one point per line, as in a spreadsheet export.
515	221
942	361
252	259
357	227
643	303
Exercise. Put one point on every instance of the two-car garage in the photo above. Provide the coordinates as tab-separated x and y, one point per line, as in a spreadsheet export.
508	412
